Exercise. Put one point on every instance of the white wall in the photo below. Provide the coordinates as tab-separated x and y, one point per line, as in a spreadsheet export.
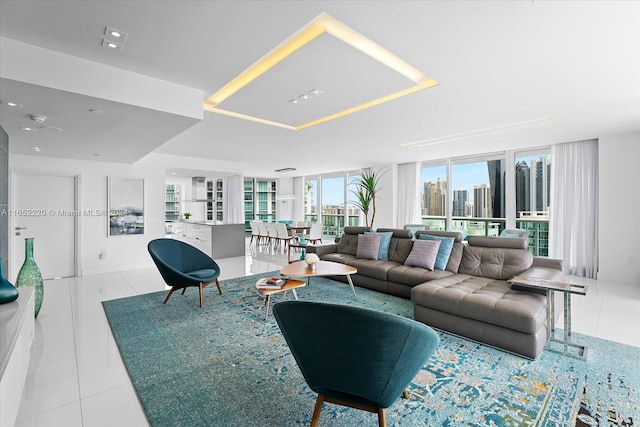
124	252
619	208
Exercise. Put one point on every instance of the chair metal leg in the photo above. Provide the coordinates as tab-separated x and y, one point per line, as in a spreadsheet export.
202	285
315	419
405	394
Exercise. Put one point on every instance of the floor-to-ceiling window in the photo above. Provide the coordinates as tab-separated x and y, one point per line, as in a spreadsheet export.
478	201
327	198
533	197
471	194
433	196
311	199
333	205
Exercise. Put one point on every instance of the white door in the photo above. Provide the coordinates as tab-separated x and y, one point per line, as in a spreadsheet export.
44	207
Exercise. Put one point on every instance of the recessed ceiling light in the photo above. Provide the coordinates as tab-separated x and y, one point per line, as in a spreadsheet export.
11	104
94	111
112	32
110	44
316	92
28	129
304	96
96	154
35	148
294	101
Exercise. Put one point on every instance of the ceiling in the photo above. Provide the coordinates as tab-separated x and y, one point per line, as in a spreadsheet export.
575	64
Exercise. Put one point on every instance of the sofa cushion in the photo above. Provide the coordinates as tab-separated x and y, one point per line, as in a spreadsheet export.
446	245
494	263
455	234
368	246
456	257
337	257
372	268
484	299
423	254
348	244
412	276
399	249
385	240
497	242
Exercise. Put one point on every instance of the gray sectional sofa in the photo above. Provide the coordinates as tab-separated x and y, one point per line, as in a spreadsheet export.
471	296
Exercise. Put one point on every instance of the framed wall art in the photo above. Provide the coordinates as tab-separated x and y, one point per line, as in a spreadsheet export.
125	206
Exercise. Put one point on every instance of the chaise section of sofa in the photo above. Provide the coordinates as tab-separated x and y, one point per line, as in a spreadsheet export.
479	303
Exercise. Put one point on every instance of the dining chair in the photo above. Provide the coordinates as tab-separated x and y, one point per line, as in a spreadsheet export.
315	233
255	231
282	235
263	232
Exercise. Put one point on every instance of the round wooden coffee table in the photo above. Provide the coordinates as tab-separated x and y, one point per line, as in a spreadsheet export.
323	268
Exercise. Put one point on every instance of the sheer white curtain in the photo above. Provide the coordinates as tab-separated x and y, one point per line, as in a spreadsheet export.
408	211
574	209
233	199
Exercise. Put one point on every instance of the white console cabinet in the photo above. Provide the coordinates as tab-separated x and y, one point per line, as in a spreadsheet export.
16	333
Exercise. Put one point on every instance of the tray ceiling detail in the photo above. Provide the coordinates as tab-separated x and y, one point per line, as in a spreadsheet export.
353	72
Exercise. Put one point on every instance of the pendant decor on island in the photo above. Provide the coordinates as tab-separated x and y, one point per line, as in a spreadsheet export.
8	292
29	275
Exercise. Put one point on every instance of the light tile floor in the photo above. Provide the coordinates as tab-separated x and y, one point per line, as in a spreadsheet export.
77	378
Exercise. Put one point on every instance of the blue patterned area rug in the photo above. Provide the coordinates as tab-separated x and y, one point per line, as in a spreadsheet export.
223	365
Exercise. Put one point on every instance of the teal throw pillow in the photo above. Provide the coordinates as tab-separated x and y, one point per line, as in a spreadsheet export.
385	241
444	252
507	234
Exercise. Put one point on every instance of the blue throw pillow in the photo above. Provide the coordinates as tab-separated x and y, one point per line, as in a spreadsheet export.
507	234
385	241
444	252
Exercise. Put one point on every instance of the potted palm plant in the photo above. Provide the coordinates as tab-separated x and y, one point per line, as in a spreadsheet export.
366	192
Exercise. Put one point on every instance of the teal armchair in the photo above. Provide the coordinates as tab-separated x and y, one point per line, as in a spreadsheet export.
352	356
181	266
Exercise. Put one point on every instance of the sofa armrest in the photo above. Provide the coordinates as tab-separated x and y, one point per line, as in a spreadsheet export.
555	263
322	249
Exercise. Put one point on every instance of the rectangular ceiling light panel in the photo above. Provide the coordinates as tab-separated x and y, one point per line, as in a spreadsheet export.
322	24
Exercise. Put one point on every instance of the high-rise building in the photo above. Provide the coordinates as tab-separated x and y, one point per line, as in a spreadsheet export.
523	178
434	198
460	199
496	181
540	184
482	201
468	209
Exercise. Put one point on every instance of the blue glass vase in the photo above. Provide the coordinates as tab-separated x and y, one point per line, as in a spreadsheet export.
29	275
8	292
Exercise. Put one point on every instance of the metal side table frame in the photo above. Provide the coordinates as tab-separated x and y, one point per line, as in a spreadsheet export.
565	344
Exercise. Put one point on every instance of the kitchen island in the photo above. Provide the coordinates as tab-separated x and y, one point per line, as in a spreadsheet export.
215	238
